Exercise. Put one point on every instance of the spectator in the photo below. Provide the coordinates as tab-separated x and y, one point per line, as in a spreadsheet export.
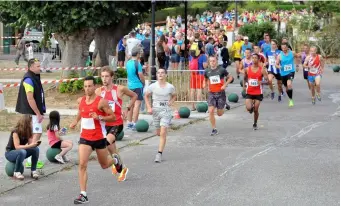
146	52
246	45
132	42
20	49
121	51
161	49
209	47
175	57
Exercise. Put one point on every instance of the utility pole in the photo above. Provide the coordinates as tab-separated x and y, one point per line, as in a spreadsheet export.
153	66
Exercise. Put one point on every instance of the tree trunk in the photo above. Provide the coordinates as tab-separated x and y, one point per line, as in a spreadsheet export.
106	39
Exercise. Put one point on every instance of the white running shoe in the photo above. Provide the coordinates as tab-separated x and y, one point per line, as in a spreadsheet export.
59	159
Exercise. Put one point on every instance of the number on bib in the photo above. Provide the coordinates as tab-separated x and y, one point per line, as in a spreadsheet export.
253	82
272	60
215	79
88	123
287	67
313	70
112	105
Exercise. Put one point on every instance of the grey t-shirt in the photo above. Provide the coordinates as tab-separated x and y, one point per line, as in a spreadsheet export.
161	95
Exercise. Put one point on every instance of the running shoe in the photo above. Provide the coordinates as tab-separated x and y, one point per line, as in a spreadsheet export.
237	76
283	94
318	97
123	175
228	107
59	159
313	100
255	126
35	175
130	126
18	176
214	132
272	95
113	170
279	98
158	158
65	158
291	103
81	199
118	166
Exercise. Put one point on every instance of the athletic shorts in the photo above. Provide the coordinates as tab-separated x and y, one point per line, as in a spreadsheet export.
114	130
162	117
37	128
57	144
305	74
139	92
277	76
285	78
196	81
97	144
254	97
145	57
217	99
121	56
311	79
237	59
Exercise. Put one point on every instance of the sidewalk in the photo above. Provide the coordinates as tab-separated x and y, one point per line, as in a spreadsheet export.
130	139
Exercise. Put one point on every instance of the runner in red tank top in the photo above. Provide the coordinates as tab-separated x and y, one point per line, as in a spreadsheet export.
114	94
253	87
94	111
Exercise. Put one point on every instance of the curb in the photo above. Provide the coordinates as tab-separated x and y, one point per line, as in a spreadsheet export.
54	170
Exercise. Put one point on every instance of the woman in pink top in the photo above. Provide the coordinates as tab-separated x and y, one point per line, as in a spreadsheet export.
53	135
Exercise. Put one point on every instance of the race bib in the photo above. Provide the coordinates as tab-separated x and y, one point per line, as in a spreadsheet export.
313	70
253	82
88	123
306	69
160	104
287	67
112	105
272	60
215	79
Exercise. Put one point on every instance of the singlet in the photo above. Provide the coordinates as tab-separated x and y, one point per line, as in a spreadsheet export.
115	104
91	129
287	63
266	47
253	86
246	63
244	47
272	56
303	56
314	64
216	78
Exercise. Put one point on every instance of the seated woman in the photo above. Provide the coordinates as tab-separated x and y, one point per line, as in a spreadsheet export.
20	147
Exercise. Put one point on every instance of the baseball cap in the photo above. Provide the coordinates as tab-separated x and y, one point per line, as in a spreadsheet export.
246	38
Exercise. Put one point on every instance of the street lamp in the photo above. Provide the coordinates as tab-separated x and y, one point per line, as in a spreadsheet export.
153	66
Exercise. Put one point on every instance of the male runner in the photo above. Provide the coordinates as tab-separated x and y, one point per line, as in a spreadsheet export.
214	78
273	72
303	56
163	95
246	61
236	49
286	63
114	94
257	50
253	87
93	113
315	63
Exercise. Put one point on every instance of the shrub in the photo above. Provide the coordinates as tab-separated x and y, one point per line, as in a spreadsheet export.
256	31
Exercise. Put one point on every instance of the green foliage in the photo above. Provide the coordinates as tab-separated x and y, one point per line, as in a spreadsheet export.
256	31
257	6
292	6
325	8
75	85
120	73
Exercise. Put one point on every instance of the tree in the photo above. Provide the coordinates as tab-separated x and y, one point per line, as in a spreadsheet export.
76	24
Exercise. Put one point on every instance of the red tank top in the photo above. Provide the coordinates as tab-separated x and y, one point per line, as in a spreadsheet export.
91	129
115	104
314	66
254	80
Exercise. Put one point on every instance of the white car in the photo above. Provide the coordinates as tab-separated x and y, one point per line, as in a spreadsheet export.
35	34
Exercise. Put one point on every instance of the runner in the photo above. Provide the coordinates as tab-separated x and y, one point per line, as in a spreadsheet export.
246	61
256	50
236	48
114	94
253	87
214	78
93	112
315	63
246	45
273	72
163	96
286	64
303	56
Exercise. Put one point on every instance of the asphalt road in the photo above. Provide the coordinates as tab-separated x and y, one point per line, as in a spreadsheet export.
293	159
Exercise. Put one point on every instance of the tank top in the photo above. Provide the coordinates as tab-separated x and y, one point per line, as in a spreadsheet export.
115	104
254	80
287	63
272	56
246	63
314	64
91	129
244	47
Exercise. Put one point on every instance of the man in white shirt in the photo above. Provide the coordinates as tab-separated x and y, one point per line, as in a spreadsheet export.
131	43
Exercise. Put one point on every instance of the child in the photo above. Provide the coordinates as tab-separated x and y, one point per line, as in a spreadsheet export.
53	134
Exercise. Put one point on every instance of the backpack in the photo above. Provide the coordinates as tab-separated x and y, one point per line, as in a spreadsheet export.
194	49
194	65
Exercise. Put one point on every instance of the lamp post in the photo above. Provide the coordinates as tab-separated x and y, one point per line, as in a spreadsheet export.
153	66
186	2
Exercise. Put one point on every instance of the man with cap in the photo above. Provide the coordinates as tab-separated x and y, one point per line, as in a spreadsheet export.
246	45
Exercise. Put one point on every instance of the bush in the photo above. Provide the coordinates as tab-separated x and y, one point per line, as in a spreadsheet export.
75	85
120	73
291	6
256	31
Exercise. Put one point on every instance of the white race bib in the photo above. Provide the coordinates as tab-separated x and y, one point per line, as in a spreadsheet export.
287	67
306	69
112	105
272	60
313	70
215	79
88	123
160	104
253	83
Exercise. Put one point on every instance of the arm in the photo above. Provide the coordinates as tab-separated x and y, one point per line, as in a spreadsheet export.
241	68
78	117
133	96
146	100
104	106
32	103
278	61
17	144
228	81
322	64
245	80
265	74
173	98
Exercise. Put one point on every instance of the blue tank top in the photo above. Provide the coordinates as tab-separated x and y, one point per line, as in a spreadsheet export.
272	56
287	63
245	64
244	47
266	47
303	56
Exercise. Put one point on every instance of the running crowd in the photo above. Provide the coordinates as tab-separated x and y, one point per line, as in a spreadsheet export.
102	112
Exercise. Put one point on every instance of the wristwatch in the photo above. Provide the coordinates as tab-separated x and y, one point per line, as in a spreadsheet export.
128	109
100	118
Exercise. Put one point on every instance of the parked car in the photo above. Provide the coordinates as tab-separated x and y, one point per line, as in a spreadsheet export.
35	34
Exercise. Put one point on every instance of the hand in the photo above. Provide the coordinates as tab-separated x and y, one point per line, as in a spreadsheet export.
94	115
34	144
149	110
223	87
124	114
40	118
73	125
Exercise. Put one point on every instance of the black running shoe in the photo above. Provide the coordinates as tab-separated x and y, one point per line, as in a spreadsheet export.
238	77
81	199
279	98
228	107
272	95
254	126
214	132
